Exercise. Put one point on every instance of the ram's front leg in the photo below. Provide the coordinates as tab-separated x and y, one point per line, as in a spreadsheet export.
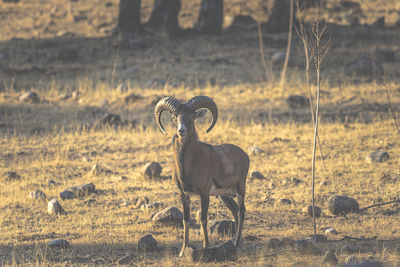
186	217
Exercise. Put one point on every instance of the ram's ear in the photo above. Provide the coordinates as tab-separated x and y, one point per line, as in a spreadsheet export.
200	113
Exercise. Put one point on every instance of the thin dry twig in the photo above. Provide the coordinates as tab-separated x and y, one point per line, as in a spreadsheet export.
319	52
289	45
380	204
385	86
302	33
267	67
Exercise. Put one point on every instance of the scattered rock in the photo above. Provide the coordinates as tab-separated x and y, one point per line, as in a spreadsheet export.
223	252
331	231
97	170
152	206
278	58
255	151
54	207
364	264
257	175
291	181
350	248
341	205
51	183
59	243
30	97
170	216
152	170
67	195
307	246
81	190
377	156
365	67
38	194
11	176
285	201
132	98
298	102
329	258
224	228
379	22
309	211
147	243
109	119
142	201
210	17
280	140
387	55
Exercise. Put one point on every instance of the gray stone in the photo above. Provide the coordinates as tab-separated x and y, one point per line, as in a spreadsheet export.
51	183
298	102
98	169
82	190
54	207
223	252
59	243
66	194
278	58
307	246
255	151
285	201
377	156
152	206
38	194
257	175
152	170
366	67
364	264
309	211
223	228
11	176
331	231
170	216
341	205
109	119
147	243
329	258
30	97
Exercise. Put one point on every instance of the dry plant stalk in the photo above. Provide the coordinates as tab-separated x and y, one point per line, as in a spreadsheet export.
319	51
302	33
289	45
385	86
267	67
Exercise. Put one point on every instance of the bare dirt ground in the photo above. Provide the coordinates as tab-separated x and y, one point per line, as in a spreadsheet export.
46	49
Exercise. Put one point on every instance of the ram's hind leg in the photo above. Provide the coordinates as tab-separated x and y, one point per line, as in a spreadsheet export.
239	227
233	207
205	202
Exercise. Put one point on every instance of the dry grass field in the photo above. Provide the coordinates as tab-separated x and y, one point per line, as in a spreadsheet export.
55	139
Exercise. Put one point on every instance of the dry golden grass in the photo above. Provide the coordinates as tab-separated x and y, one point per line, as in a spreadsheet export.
47	141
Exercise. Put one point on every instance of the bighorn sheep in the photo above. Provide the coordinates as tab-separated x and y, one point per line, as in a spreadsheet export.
203	169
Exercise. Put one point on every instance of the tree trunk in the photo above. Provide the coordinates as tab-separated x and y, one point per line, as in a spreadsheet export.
129	16
211	17
165	14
